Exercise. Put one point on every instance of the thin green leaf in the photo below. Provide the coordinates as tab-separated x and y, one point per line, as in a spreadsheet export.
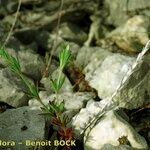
62	107
64	57
54	84
61	82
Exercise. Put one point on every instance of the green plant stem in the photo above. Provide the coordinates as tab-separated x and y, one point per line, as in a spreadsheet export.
25	81
13	25
58	81
28	85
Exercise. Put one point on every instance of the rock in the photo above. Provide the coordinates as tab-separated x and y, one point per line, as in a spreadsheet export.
72	101
90	54
26	35
11	89
97	30
73	11
67	86
134	93
120	12
106	78
14	44
72	33
120	147
112	129
118	8
21	124
12	52
133	35
31	64
42	40
74	48
82	119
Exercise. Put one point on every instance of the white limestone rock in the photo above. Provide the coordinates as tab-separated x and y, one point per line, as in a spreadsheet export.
81	120
91	56
108	130
133	35
72	101
108	76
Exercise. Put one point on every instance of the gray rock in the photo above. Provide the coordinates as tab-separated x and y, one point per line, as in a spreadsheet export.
133	35
87	55
21	124
73	33
117	12
72	101
67	86
42	38
120	147
110	129
31	64
11	89
12	52
97	30
120	11
134	93
74	48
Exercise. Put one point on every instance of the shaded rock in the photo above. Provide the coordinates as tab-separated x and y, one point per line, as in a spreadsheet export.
72	101
73	11
12	52
111	129
120	147
120	11
74	48
46	41
14	44
117	12
42	38
133	35
21	124
26	35
31	64
72	32
11	89
97	29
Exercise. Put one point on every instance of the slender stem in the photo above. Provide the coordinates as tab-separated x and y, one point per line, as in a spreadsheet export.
13	24
25	81
55	41
28	85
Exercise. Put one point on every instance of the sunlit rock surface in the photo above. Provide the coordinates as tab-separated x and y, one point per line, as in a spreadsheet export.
108	130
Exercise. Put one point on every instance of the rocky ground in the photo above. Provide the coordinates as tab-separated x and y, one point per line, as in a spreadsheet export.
105	38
